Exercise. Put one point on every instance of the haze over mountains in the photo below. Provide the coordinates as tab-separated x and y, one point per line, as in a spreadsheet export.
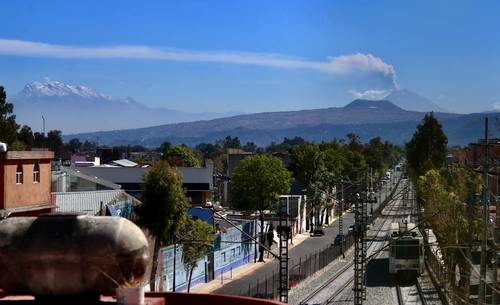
366	118
76	108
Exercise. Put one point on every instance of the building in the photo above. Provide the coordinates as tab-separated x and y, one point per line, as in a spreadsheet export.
96	203
25	183
197	181
234	156
231	248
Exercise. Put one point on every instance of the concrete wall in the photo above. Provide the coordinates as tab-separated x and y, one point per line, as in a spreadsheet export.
231	249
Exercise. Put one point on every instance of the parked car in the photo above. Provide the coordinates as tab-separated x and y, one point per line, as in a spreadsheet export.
340	238
318	232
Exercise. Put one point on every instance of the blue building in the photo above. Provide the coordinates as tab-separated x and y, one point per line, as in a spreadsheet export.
231	248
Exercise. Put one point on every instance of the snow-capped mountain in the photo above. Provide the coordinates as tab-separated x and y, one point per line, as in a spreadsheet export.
56	88
77	108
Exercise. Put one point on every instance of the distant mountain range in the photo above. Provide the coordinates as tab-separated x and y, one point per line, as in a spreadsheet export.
75	108
366	118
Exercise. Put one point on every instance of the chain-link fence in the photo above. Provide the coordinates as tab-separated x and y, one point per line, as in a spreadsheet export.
299	269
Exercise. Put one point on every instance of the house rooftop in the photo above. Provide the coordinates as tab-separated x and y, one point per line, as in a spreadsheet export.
26	155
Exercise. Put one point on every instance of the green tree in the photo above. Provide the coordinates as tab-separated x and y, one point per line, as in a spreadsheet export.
181	155
196	238
308	166
250	147
164	208
427	148
8	126
25	135
257	183
285	146
229	142
374	156
445	194
55	143
307	162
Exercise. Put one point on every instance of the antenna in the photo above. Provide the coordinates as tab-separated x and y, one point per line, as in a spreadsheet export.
43	126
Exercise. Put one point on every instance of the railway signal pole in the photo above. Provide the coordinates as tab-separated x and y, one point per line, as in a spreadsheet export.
359	250
486	209
284	232
341	211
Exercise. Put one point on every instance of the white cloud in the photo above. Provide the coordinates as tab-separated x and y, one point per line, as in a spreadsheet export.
496	106
371	94
340	65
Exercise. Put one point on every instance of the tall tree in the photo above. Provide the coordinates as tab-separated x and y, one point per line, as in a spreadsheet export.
308	166
428	146
164	208
374	155
25	135
250	147
8	126
55	142
229	142
196	238
257	183
181	155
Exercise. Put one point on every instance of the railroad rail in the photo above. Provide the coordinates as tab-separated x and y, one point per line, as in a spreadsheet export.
347	267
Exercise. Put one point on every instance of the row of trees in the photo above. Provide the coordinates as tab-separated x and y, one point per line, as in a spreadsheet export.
259	180
447	194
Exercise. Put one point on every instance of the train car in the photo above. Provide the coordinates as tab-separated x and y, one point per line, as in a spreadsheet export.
406	251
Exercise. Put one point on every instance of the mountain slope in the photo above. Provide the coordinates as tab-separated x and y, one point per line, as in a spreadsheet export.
75	108
366	118
412	101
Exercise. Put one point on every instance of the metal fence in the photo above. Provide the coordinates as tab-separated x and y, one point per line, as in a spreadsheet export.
267	286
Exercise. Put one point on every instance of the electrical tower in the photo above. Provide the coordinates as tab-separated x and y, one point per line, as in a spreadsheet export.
341	225
284	232
359	250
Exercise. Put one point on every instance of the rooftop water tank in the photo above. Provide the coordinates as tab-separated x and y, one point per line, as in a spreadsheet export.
60	255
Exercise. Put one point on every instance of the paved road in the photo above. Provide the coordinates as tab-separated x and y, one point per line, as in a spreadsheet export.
308	246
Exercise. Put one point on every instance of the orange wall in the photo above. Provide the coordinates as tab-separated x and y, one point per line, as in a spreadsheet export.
27	193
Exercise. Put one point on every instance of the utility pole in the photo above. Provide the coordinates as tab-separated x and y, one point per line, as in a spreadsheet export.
284	231
175	254
486	208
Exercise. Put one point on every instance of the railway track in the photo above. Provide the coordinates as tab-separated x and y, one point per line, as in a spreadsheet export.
415	288
348	283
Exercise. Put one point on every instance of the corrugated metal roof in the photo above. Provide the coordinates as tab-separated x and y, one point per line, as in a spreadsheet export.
118	175
84	202
124	163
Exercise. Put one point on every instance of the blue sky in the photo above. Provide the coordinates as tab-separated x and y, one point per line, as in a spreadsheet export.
254	56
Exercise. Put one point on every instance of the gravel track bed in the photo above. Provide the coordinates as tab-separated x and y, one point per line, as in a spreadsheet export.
302	290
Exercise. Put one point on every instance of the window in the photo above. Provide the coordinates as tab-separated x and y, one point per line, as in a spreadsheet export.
19	174
224	256
36	173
